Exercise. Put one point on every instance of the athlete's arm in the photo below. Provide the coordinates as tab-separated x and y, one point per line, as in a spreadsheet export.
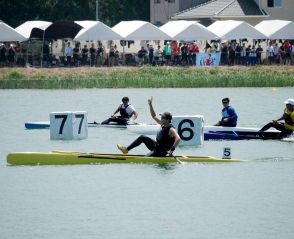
279	119
173	133
152	112
232	114
135	115
116	111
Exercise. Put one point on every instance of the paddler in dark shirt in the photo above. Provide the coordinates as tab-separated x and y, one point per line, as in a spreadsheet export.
126	111
167	137
287	127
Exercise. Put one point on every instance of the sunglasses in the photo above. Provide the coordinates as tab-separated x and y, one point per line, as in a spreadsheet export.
225	102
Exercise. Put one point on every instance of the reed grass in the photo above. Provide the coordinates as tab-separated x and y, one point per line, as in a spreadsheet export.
146	77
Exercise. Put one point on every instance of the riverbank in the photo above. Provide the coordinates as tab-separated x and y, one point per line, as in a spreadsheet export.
146	77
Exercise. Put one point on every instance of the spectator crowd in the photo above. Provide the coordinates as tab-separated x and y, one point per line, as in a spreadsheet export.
170	53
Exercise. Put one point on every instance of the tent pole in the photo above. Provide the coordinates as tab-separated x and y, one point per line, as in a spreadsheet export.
124	56
27	63
42	54
88	49
97	10
90	55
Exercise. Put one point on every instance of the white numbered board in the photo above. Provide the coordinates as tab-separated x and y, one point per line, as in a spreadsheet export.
190	129
227	153
68	125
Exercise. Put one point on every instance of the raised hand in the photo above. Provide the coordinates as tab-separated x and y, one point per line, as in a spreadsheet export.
150	100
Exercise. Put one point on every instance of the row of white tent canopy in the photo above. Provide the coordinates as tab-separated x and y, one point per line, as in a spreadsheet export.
173	30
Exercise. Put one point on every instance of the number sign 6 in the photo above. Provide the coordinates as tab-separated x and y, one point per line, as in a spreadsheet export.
190	129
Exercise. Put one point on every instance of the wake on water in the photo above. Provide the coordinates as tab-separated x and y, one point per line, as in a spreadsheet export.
289	139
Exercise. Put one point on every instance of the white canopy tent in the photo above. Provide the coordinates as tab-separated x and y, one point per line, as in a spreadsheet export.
276	29
139	30
231	29
86	23
26	28
7	33
187	31
97	31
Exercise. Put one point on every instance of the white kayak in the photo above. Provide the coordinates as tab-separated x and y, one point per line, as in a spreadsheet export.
150	129
46	125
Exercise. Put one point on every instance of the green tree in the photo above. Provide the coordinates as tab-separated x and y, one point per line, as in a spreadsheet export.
112	12
16	12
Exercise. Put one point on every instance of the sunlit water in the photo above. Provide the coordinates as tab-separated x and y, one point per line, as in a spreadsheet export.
240	200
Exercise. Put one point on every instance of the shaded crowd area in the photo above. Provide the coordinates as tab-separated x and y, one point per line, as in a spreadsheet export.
156	53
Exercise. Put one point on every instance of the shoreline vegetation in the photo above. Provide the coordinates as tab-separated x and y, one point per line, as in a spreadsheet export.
146	77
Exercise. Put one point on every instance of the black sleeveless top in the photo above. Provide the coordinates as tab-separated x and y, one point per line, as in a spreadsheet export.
163	140
123	112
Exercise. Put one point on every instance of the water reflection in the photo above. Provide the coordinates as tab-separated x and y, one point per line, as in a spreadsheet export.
166	167
273	159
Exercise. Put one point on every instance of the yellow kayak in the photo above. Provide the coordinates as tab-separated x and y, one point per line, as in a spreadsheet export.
68	158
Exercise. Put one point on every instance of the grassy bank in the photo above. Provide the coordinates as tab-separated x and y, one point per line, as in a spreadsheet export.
146	77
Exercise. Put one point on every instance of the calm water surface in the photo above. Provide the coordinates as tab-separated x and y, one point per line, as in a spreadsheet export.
242	200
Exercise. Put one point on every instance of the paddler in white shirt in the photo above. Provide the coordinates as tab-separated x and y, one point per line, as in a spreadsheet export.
167	137
126	110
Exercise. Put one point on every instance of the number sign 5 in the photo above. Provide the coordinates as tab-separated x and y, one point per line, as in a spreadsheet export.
227	153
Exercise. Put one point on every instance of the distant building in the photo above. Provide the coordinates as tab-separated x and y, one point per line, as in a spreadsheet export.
208	11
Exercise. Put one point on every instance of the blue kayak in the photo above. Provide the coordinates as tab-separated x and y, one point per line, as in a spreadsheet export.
239	135
37	125
215	132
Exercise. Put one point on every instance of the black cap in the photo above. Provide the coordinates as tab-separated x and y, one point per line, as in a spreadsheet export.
125	99
167	116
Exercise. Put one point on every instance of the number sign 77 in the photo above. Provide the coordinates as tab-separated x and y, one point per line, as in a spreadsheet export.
64	118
